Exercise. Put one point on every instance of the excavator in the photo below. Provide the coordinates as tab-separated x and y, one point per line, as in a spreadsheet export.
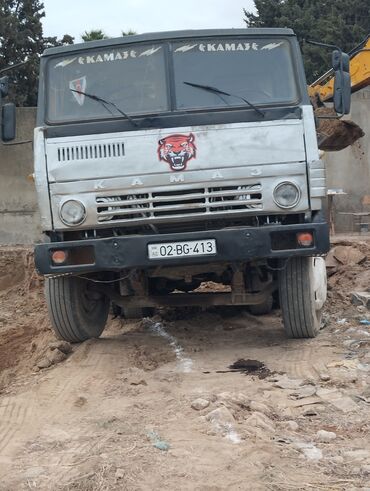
335	134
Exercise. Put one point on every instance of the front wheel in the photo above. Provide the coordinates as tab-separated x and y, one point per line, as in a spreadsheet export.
77	311
302	291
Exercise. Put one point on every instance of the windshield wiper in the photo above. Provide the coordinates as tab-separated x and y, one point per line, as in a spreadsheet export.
104	102
215	90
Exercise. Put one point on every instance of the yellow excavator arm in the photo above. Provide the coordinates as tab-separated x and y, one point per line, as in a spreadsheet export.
359	70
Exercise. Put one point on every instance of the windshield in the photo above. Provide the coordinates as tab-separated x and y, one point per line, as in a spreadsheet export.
260	71
133	79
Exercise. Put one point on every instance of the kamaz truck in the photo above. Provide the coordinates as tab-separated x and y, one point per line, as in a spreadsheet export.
168	163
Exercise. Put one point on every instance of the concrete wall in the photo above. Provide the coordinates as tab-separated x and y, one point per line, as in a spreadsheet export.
349	169
19	221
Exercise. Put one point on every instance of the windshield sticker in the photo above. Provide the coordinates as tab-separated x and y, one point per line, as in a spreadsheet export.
184	49
64	63
80	85
177	150
108	56
272	45
150	51
226	46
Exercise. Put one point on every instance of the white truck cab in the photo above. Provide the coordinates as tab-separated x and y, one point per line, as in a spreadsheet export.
163	161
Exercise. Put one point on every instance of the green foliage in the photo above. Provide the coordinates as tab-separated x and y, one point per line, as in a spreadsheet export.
344	23
21	38
96	34
130	32
93	35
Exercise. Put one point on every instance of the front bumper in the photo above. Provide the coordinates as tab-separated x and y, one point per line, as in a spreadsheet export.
233	245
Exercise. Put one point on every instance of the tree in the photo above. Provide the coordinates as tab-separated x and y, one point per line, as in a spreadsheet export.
93	35
344	23
97	34
21	38
130	32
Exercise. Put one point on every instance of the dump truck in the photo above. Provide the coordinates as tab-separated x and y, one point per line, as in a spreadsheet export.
166	163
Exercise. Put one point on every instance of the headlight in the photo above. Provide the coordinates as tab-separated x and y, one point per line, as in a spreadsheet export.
287	194
72	212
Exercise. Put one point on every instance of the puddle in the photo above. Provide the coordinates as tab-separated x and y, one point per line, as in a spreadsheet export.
251	367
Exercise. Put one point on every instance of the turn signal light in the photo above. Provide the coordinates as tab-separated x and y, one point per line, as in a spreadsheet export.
305	239
59	257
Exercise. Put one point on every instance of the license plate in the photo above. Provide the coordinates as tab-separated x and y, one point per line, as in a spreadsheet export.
182	249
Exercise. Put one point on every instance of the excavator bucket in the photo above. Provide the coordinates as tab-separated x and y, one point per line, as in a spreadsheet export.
335	134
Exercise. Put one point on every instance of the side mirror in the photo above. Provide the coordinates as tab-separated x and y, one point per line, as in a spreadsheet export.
8	122
342	82
4	86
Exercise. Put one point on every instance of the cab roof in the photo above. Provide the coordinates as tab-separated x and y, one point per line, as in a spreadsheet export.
170	35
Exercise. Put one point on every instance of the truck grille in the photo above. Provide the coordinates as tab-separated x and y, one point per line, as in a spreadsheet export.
179	204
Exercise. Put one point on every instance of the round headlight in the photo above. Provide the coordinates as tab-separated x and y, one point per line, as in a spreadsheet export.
72	212
287	194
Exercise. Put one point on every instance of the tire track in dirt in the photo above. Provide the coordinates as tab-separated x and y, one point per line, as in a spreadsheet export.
14	417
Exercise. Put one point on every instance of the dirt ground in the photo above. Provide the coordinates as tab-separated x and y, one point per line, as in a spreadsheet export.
152	405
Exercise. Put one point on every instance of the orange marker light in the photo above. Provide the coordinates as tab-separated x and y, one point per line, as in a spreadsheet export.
59	257
305	239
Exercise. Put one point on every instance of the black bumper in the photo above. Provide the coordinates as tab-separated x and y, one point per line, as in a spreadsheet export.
233	245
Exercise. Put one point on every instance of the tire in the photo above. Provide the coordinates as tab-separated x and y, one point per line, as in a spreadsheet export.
76	311
302	291
262	308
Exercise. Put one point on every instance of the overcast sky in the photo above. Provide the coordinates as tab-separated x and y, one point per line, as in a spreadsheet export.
112	16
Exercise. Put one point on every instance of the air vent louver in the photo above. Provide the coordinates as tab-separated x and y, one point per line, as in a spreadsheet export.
91	151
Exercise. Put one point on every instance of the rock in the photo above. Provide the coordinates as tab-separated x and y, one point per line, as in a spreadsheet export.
348	255
347	343
365	468
337	459
199	404
361	309
260	420
137	381
285	382
324	376
344	377
350	364
44	363
56	356
331	263
292	425
234	398
337	399
260	407
220	416
120	474
62	346
359	454
303	392
361	299
325	436
309	450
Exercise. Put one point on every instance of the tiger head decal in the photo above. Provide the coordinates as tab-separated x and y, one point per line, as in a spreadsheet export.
177	150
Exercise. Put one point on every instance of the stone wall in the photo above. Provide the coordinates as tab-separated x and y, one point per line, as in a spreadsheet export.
349	169
19	220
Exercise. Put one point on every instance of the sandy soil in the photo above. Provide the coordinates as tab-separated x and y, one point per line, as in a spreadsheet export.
119	413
